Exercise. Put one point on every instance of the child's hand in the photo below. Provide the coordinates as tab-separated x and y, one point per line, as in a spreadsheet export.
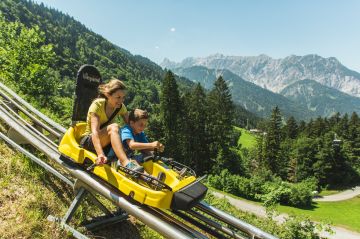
161	147
158	145
101	159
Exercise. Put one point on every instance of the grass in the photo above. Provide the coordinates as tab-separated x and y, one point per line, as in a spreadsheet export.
234	196
328	192
247	139
343	213
25	202
28	195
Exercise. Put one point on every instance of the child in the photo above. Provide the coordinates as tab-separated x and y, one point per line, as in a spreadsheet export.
133	137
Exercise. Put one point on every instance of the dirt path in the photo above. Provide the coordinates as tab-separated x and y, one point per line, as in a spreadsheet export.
340	233
347	194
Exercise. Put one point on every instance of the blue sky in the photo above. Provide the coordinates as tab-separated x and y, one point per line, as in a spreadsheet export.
178	29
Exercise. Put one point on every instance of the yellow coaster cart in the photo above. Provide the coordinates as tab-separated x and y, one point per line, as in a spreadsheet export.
180	190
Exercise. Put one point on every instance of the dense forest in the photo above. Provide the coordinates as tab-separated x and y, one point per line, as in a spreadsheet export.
42	49
291	159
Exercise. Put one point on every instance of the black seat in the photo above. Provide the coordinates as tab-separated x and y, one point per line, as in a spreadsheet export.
87	83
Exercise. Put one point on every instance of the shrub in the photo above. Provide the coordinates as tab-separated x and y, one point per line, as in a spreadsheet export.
270	192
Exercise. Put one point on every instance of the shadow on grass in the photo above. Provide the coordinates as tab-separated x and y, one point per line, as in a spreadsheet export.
62	190
312	207
123	230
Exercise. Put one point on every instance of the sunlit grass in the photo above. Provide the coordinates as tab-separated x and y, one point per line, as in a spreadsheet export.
328	192
28	195
247	139
25	201
343	213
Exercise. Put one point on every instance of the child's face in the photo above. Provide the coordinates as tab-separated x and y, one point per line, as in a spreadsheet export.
116	99
139	125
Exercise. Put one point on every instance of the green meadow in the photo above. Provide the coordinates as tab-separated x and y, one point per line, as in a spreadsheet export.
343	213
247	139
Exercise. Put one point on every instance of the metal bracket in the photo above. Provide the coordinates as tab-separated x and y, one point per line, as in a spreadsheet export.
108	219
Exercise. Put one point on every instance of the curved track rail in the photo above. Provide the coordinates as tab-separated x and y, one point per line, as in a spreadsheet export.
169	224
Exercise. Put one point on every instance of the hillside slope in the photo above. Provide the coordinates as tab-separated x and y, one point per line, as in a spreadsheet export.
276	74
250	96
320	99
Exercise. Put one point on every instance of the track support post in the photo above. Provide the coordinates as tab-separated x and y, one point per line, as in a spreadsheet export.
106	220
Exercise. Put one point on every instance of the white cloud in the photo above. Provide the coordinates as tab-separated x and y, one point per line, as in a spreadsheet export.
157	47
172	29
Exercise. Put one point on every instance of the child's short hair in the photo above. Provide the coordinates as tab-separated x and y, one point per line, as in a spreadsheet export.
138	114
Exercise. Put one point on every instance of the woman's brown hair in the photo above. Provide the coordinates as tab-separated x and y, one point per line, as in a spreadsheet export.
111	87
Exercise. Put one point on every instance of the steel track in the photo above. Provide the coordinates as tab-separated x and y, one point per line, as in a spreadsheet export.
171	225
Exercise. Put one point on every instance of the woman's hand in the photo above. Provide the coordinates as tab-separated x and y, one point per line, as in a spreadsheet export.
101	159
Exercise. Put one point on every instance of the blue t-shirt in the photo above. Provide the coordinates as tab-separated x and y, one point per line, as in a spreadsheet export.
126	133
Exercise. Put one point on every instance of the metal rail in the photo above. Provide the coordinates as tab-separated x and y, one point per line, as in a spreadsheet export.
37	160
160	221
144	214
8	111
27	113
32	109
215	225
239	224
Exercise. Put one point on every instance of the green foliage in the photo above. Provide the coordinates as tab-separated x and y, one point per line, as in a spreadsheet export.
296	152
300	227
49	47
197	127
294	227
25	60
246	139
270	192
342	213
273	141
220	120
171	114
196	137
291	128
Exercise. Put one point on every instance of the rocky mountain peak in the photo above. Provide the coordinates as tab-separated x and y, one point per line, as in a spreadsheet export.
276	74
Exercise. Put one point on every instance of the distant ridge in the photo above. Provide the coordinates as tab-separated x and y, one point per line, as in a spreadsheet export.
276	74
252	97
320	99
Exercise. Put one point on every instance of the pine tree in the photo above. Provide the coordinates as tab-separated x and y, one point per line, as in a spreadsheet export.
220	121
196	138
273	141
353	146
343	128
291	128
318	127
171	114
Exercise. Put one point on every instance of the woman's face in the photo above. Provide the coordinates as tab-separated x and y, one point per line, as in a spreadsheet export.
116	98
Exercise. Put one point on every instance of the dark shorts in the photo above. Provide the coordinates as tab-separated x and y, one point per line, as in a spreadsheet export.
87	143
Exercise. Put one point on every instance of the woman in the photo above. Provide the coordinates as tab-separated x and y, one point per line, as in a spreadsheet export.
100	129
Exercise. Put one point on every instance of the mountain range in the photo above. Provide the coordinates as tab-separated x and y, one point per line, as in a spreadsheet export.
276	74
320	99
295	78
250	96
